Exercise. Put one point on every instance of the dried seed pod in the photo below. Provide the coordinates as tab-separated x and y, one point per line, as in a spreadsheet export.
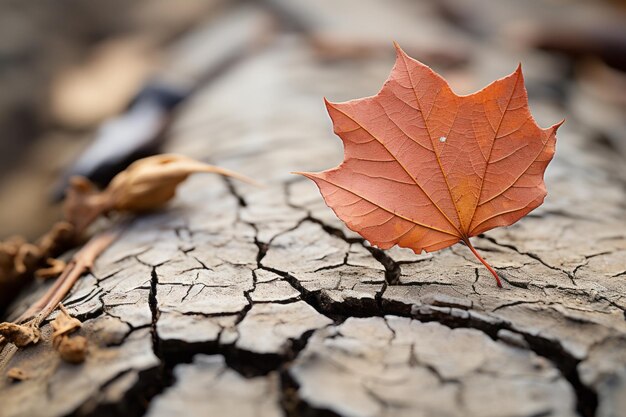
64	324
26	258
17	374
54	270
60	236
72	349
20	335
7	258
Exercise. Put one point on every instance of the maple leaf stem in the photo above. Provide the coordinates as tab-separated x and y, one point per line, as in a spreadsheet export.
480	258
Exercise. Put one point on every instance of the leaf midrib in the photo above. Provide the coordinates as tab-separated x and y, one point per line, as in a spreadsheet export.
405	170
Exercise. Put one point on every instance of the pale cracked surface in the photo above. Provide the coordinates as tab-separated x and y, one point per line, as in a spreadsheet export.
207	387
260	299
395	366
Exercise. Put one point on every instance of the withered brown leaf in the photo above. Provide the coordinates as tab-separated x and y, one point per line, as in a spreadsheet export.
145	185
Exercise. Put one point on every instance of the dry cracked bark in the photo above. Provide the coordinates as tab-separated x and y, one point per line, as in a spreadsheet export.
374	367
260	300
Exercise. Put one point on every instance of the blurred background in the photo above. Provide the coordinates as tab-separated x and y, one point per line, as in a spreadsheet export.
88	86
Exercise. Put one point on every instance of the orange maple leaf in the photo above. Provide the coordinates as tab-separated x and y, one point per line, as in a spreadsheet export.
425	168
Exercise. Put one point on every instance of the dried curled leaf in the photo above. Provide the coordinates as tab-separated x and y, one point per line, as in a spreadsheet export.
20	335
151	182
145	185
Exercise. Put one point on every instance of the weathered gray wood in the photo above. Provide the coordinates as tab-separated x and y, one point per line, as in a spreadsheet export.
375	366
208	387
261	282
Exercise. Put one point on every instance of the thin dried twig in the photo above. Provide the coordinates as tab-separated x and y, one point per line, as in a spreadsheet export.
26	328
81	262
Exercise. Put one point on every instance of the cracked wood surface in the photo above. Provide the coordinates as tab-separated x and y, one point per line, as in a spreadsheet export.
258	302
